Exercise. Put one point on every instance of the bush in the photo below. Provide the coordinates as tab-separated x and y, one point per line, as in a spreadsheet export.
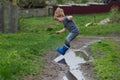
83	1
115	14
32	3
69	1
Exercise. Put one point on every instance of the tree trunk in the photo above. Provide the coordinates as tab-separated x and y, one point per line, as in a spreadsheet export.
12	18
1	17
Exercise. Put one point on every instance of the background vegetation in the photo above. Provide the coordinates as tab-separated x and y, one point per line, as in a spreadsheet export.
43	3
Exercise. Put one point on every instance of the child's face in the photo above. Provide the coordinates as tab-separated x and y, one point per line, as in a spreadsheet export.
59	14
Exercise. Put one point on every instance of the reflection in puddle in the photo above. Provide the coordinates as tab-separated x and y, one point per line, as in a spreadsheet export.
81	54
62	61
70	76
65	78
72	60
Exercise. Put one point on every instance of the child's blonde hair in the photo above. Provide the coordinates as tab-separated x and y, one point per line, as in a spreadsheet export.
59	13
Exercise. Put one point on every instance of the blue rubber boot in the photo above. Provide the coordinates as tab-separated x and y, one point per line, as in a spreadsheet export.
62	49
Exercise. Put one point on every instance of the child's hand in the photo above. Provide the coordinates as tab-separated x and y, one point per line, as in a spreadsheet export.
57	32
61	31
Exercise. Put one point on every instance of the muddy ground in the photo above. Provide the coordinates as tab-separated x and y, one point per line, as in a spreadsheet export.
53	69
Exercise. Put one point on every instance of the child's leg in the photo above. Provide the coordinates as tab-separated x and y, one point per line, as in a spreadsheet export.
62	49
66	46
70	37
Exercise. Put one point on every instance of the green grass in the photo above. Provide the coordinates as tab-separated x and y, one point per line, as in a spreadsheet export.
17	52
107	56
21	53
99	30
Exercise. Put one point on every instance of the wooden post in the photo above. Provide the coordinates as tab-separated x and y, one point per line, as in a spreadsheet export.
1	17
12	18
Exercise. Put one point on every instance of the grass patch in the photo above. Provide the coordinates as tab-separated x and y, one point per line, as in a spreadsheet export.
107	56
17	52
96	30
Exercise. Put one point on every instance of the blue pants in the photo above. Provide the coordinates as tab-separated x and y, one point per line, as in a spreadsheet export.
70	37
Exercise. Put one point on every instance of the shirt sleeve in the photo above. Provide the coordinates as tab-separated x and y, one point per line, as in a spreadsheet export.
65	21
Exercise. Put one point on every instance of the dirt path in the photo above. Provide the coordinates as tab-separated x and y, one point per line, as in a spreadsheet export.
54	71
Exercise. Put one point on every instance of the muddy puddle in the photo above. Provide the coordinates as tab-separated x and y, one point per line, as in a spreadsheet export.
73	58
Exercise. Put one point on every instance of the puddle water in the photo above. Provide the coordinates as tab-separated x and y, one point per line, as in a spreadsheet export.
72	59
62	61
70	76
81	54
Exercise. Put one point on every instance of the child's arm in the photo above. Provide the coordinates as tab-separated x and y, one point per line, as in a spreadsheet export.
69	17
61	31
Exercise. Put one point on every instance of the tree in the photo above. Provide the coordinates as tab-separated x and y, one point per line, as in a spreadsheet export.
1	17
31	3
12	17
8	16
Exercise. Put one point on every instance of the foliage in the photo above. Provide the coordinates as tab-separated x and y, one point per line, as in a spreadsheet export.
115	14
71	1
13	1
83	1
60	1
31	3
107	55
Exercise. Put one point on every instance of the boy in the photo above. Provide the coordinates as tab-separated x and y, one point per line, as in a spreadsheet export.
68	25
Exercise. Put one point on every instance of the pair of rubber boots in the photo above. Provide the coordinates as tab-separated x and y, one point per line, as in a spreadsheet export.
62	49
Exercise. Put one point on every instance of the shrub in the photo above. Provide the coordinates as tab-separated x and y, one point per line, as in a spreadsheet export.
31	3
115	14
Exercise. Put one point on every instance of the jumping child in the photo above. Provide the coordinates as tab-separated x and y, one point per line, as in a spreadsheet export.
68	25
